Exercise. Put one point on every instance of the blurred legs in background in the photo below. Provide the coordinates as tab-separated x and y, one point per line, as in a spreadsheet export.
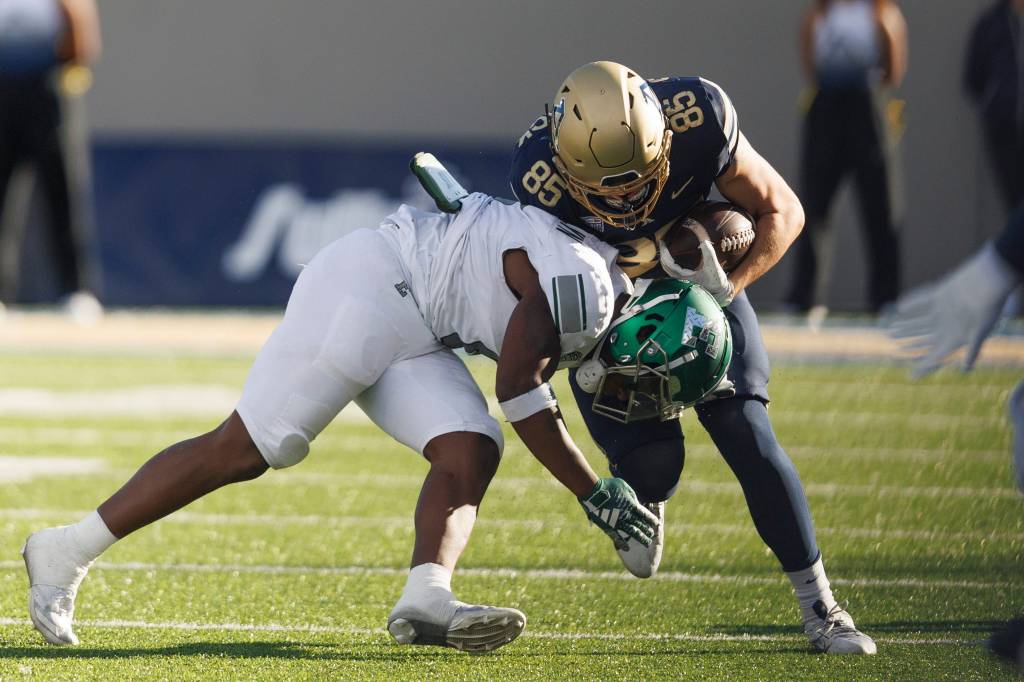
845	135
36	135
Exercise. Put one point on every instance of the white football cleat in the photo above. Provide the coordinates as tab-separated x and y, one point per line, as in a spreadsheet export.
53	577
472	628
833	632
643	561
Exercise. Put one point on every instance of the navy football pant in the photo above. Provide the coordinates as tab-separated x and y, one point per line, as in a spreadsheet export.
650	454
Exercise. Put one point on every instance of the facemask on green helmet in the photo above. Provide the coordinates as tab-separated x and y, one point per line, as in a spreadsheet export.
668	349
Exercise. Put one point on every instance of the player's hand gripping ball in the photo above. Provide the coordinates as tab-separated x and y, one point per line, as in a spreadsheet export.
728	227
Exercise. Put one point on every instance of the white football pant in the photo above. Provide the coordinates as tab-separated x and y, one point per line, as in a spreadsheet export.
352	331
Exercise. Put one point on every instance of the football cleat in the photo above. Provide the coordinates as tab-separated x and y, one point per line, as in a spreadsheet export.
53	578
475	629
833	632
643	561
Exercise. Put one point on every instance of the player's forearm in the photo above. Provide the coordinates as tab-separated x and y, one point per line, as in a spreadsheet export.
894	35
81	43
776	232
545	435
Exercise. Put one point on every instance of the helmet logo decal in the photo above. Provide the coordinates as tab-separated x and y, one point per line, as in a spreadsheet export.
709	338
693	319
645	90
556	118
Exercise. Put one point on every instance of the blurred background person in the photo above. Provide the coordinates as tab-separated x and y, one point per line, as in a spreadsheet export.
994	80
45	49
854	52
958	312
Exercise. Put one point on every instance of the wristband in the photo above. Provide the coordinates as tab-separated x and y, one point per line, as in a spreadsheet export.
529	403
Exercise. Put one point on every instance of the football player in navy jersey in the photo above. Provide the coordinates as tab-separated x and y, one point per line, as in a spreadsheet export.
622	158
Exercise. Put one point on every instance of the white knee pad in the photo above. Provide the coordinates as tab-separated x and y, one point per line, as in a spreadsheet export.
283	435
292	450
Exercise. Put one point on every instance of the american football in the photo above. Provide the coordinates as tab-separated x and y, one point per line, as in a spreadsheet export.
729	227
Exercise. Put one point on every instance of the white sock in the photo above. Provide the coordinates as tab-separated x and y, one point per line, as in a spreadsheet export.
811	585
428	590
90	537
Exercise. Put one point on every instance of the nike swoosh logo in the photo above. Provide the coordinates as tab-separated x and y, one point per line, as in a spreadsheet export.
680	190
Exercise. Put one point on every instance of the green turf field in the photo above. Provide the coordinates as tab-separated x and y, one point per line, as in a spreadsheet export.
292	576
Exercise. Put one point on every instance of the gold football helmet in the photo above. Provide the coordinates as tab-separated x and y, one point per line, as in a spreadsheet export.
610	142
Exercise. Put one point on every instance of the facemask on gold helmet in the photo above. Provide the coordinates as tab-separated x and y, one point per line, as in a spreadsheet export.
610	142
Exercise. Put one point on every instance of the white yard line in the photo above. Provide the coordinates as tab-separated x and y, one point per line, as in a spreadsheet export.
48	466
929	420
163	400
687	486
529	633
69	438
533	573
535	524
201	400
889	389
15	469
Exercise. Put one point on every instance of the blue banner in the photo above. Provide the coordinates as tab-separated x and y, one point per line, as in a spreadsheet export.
230	222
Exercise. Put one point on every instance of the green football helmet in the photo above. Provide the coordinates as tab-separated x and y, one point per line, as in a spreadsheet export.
669	348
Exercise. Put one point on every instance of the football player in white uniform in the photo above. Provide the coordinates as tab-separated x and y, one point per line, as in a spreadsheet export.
373	319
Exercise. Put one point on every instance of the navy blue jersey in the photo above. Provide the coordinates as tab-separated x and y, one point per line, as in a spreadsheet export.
704	139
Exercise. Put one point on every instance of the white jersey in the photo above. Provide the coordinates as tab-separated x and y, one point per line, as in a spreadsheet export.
456	273
847	50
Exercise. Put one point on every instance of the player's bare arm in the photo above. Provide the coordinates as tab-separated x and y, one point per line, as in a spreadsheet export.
81	43
807	43
755	185
529	358
893	32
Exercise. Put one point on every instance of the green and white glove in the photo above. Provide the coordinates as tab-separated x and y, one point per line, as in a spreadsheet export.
612	506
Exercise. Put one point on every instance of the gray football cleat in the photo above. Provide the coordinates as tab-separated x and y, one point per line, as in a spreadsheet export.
53	578
475	629
643	561
833	632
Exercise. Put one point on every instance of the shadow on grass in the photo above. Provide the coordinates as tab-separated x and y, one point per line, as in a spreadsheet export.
951	627
336	652
294	650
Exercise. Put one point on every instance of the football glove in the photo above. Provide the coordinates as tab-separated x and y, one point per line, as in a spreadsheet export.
612	506
709	275
959	310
